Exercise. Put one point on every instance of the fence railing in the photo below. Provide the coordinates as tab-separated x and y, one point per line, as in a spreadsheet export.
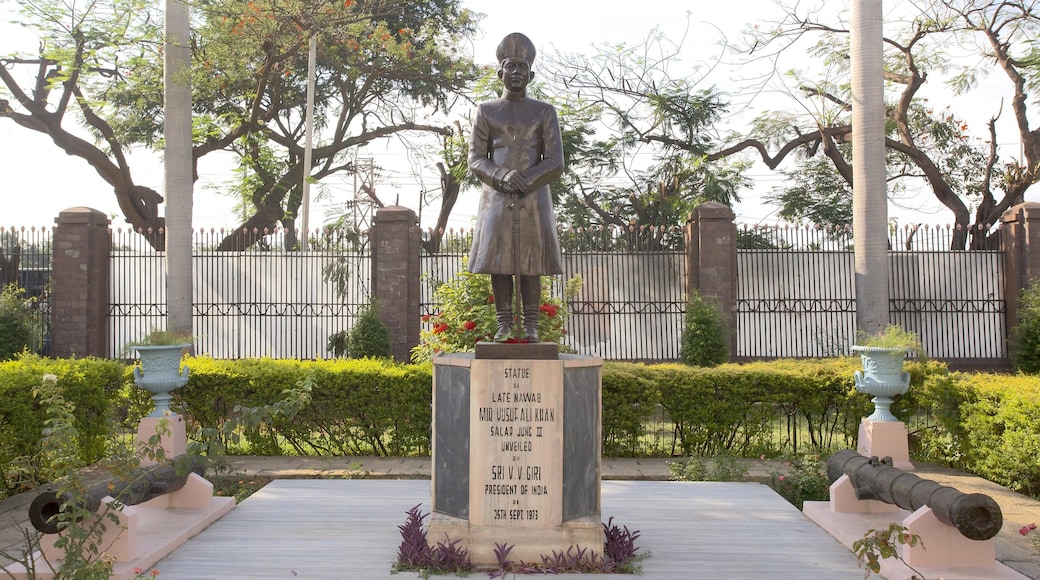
25	261
632	297
258	302
797	294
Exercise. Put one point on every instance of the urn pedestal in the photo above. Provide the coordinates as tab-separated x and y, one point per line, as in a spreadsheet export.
881	434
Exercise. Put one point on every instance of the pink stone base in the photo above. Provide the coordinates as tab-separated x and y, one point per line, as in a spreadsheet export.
147	532
885	439
945	553
173	443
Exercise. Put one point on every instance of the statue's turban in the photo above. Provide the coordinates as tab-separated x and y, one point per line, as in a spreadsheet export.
516	45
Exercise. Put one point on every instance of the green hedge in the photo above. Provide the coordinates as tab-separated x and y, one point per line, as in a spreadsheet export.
357	407
985	423
989	425
90	384
370	406
733	409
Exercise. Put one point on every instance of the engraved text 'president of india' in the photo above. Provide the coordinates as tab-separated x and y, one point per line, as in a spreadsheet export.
516	151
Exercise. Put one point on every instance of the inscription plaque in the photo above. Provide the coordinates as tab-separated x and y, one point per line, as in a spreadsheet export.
516	465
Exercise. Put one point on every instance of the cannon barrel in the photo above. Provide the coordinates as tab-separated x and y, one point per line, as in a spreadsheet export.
138	486
977	516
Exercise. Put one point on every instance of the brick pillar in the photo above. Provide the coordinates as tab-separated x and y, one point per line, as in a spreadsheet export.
395	276
711	259
79	283
1020	242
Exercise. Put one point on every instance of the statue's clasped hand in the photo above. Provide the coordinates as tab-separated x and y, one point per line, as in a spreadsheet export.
514	184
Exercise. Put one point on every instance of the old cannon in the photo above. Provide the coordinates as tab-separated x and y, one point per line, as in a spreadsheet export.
138	486
977	516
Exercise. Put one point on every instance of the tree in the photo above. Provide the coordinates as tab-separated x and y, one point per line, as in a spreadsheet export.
78	54
381	66
177	165
869	202
976	184
632	107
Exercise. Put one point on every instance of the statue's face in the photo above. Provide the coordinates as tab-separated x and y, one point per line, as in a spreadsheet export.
515	74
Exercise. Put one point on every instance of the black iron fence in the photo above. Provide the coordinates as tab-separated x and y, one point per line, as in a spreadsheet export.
261	302
632	297
25	262
797	296
795	291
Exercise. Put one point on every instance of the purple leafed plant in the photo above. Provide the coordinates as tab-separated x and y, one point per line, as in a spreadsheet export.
575	559
414	551
450	555
619	548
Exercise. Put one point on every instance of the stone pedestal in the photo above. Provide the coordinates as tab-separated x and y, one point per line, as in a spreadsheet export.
172	434
885	439
516	455
942	553
138	536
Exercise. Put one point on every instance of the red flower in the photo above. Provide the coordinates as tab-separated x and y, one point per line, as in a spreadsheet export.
491	299
469	325
426	317
548	309
439	328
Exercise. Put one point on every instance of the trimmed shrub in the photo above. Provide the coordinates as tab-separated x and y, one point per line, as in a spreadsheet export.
357	407
369	337
16	330
704	334
89	384
989	425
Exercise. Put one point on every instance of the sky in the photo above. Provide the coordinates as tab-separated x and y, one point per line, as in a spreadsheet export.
37	180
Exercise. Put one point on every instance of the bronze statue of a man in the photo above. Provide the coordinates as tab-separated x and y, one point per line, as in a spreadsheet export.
516	151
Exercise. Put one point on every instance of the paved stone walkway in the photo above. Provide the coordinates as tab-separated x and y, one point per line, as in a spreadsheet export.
1012	549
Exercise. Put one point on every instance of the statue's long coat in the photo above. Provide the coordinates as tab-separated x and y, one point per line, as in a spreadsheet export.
522	134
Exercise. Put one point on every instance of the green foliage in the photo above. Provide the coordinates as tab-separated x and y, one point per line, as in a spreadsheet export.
237	486
893	336
369	337
704	332
988	424
815	192
1025	336
668	112
17	332
466	314
398	58
356	406
724	468
164	338
802	479
632	399
79	519
877	545
255	420
87	386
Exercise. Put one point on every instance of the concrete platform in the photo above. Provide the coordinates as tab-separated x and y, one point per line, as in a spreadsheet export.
347	529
